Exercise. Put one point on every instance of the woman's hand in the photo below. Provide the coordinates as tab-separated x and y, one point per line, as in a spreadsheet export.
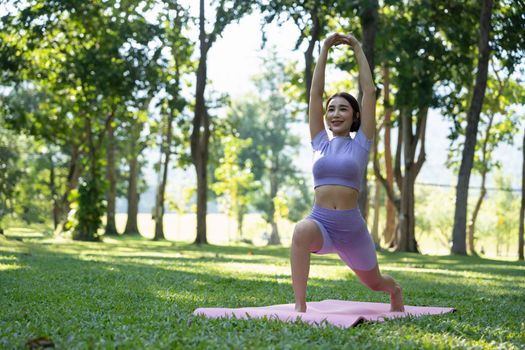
352	41
337	39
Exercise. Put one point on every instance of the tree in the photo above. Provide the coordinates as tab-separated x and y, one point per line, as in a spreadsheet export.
505	207
312	18
499	123
173	104
390	226
235	180
9	175
415	79
368	16
460	214
111	176
521	242
225	13
267	120
508	50
133	147
83	65
388	181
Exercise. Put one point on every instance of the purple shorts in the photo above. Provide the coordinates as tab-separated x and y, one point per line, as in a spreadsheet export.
345	233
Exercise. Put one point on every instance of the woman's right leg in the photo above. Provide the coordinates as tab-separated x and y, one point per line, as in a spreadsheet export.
306	238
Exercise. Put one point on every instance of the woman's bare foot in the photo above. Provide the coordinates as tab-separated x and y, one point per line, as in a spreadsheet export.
396	300
300	307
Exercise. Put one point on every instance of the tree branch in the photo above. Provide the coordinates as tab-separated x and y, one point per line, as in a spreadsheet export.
397	164
377	171
420	135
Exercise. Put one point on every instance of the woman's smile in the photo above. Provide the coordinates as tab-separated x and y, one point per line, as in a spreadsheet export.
339	115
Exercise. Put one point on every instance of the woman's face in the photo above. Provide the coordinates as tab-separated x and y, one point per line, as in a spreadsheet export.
339	116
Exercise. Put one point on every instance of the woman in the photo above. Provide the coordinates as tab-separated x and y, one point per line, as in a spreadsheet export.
336	224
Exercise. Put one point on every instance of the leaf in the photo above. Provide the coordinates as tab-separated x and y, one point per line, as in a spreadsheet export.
40	343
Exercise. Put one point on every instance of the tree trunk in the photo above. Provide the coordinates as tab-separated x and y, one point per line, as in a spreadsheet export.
54	195
158	210
375	229
393	204
165	153
472	224
200	135
111	228
406	230
406	237
390	227
133	196
308	54
368	20
274	237
72	182
375	224
522	208
467	159
88	225
240	221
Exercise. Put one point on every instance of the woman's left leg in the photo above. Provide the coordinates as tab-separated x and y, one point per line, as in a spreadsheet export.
384	283
357	250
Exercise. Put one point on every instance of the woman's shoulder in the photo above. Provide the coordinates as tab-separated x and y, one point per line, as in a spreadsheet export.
320	139
362	140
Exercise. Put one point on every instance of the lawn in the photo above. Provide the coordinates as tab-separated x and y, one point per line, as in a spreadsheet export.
131	293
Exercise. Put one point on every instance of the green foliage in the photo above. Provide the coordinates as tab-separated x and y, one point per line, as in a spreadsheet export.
413	41
298	198
433	219
183	201
115	295
499	123
294	90
509	46
25	191
83	65
267	120
302	14
496	225
65	62
507	51
34	200
9	173
506	210
235	182
174	78
90	208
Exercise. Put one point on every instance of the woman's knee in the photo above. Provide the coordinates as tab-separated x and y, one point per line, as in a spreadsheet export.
306	234
371	279
383	283
375	284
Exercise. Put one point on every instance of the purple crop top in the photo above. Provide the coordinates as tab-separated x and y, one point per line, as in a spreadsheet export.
340	161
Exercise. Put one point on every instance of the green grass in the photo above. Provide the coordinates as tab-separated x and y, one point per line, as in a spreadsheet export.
132	293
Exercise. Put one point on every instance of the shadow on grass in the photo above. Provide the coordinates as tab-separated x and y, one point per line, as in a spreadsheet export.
144	280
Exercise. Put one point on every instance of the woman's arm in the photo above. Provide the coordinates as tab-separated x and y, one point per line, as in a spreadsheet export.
316	109
368	104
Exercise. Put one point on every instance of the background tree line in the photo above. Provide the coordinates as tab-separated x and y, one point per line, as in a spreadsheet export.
88	87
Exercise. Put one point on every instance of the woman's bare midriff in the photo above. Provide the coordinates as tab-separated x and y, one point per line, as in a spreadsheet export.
336	197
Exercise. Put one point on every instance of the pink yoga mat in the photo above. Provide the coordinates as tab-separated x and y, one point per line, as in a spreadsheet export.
336	312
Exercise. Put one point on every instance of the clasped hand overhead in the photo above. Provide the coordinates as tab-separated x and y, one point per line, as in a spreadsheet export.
340	39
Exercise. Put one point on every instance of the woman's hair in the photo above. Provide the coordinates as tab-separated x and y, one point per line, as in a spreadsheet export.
356	122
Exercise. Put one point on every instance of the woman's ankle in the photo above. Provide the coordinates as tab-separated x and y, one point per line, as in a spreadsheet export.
300	307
